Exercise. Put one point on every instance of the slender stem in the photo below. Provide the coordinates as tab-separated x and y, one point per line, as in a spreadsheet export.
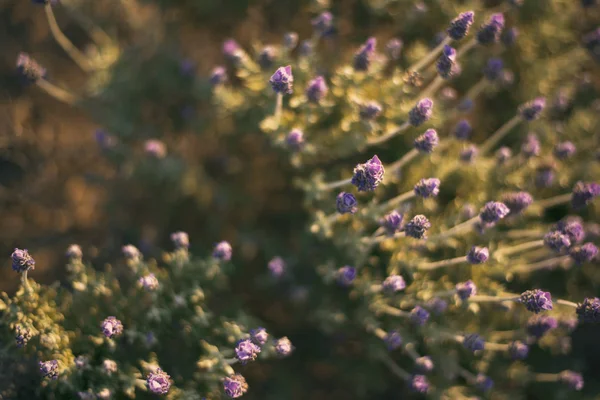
567	303
24	281
433	87
546	377
73	52
230	361
336	184
389	135
499	134
409	348
379	239
492	299
97	34
539	265
524	233
520	247
278	109
396	312
466	48
476	89
423	62
554	201
56	92
496	346
403	161
398	200
460	228
442	263
402	374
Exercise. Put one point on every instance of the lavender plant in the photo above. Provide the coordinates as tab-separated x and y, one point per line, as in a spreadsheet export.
450	241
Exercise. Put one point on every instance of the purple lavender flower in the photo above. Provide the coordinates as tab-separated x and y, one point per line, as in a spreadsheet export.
419	384
478	255
306	48
266	57
557	241
369	175
509	36
284	347
155	148
29	70
81	362
316	90
369	111
536	300
104	140
421	112
282	80
466	289
572	227
437	305
222	251
503	155
531	110
323	23
427	187
459	26
392	222
130	252
22	261
158	382
424	364
259	336
276	267
518	350
246	351
564	150
589	310
148	282
112	327
426	142
539	325
74	252
490	32
493	212
572	379
583	193
531	146
419	316
517	202
473	342
393	340
393	284
346	275
493	69
22	336
346	203
290	40
295	139
49	369
235	386
109	366
363	57
462	130
417	227
218	76
469	154
393	48
484	383
446	63
583	254
465	105
232	51
180	240
544	176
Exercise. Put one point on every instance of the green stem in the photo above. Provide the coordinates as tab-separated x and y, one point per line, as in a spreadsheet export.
499	134
389	135
423	62
442	263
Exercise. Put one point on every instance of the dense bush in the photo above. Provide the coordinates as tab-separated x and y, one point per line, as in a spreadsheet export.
441	225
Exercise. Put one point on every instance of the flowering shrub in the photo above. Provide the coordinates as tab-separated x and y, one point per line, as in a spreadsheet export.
450	241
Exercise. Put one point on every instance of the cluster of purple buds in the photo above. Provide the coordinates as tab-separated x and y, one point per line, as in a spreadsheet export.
572	379
424	364
158	382
419	316
148	282
426	142
284	347
29	69
393	284
295	140
518	350
346	275
369	175
22	261
316	90
503	155
531	146
393	340
421	112
459	26
155	148
222	251
49	369
437	305
246	351
484	383
346	203
419	384
417	227
469	154
589	310
584	253
517	202
532	110
131	253
572	227
493	212
235	386
478	255
259	336
370	110
364	56
266	57
276	267
557	241
539	325
218	76
544	175
583	193
426	188
392	222
493	69
564	150
282	80
473	342
462	130
447	66
536	300
74	252
393	48
490	32
23	335
180	239
112	327
466	289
